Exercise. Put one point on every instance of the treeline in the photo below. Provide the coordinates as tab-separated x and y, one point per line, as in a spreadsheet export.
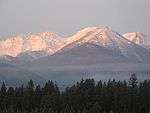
86	96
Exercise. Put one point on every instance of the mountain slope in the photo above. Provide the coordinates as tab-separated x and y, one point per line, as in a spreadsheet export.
84	54
94	46
15	76
105	37
29	56
46	41
138	38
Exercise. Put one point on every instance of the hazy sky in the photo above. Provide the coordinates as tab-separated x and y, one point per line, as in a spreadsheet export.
65	17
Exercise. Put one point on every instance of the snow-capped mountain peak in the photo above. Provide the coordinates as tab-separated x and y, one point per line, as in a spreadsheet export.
138	38
48	43
102	36
86	32
45	41
107	38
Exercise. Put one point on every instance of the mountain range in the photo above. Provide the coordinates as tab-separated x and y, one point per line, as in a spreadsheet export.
93	51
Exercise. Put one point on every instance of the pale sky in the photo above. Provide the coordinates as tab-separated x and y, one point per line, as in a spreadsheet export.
65	17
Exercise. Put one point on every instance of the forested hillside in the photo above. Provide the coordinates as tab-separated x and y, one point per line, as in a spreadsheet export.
86	96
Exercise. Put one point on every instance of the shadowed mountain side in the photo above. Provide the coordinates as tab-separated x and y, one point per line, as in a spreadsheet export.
29	56
87	57
15	76
86	54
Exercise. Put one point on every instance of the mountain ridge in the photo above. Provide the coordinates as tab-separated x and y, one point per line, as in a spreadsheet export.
50	42
45	41
138	38
97	50
92	38
37	45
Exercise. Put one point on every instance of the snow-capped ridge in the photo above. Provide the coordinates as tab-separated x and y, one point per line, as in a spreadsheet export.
138	38
107	38
45	41
103	36
49	43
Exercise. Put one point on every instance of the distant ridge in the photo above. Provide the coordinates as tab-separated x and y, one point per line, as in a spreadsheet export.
97	50
46	41
138	38
49	42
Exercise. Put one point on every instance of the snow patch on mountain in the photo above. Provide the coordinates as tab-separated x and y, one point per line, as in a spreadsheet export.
138	38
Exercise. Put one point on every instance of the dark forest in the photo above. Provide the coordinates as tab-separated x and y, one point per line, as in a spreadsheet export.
86	96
